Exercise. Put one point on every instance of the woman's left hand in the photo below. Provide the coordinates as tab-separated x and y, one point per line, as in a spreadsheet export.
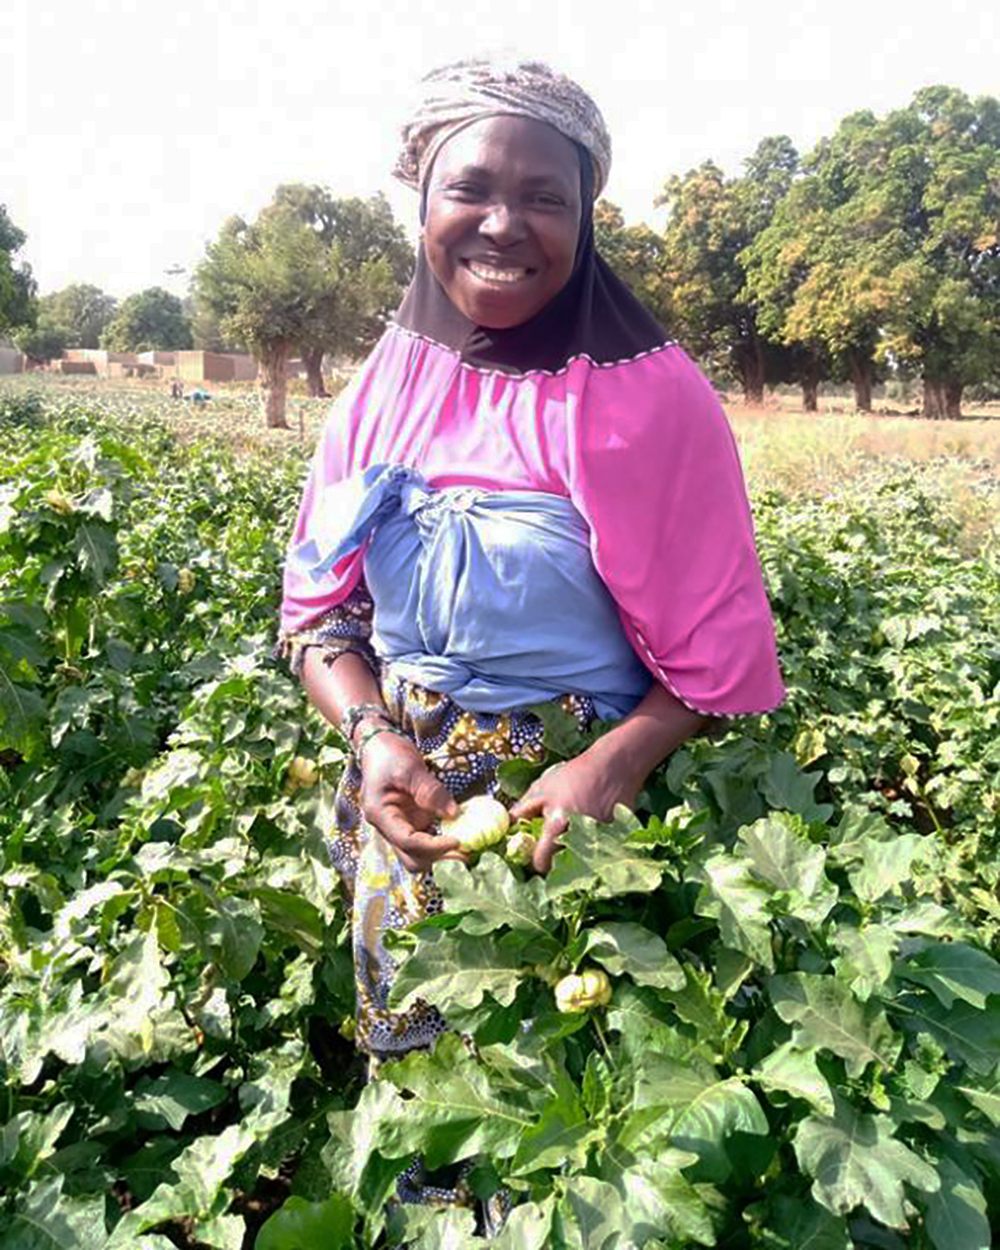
583	785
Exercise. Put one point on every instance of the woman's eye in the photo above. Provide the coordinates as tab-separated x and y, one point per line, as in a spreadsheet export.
547	200
468	190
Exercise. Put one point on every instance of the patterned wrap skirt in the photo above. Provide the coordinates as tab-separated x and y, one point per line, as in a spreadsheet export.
463	750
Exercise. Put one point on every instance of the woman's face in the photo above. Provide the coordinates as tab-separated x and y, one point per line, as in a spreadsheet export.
503	217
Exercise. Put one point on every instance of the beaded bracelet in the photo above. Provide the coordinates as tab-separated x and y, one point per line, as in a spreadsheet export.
373	731
358	712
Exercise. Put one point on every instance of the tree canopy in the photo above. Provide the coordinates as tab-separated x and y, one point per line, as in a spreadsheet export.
312	273
81	311
151	320
17	286
713	219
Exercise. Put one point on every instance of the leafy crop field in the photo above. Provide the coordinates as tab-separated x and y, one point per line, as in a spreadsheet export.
800	927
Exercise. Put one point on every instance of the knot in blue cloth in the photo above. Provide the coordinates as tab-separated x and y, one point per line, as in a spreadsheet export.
489	596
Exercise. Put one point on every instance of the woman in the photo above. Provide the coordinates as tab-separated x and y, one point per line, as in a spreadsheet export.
527	493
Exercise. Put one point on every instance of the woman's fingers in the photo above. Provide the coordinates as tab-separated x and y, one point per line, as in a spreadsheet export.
527	805
430	795
556	823
417	851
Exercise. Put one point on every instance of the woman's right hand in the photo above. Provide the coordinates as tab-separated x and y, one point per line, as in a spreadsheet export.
402	798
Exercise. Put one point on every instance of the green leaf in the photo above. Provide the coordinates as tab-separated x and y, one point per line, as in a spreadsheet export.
968	1034
885	866
800	1224
783	857
785	786
528	1227
733	896
454	970
302	1225
489	897
28	1138
695	1108
796	1072
596	860
176	1095
865	963
356	1168
561	1139
986	1098
455	1108
625	947
234	932
701	1005
855	1161
660	1201
47	1219
561	732
201	1170
956	1213
22	715
953	970
645	1025
96	549
590	1215
827	1016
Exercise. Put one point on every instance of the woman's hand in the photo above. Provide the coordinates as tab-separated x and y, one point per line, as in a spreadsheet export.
583	785
402	798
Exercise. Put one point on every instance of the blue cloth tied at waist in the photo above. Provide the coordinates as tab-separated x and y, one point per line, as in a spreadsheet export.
489	596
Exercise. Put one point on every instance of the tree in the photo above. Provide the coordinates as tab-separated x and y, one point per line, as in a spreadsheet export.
810	274
941	158
152	320
886	253
712	221
41	343
82	311
263	281
374	259
17	286
637	254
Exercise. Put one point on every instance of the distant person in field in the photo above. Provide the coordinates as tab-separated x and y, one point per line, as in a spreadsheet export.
528	493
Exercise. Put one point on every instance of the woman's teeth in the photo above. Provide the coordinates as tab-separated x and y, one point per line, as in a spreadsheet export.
486	274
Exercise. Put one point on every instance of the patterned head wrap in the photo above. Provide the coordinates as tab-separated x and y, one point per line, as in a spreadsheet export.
457	95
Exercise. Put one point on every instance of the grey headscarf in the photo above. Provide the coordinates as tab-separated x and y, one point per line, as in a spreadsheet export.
457	95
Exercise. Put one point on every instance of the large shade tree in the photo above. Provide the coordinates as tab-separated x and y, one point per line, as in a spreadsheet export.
713	219
17	286
886	253
637	254
151	320
375	261
262	280
82	313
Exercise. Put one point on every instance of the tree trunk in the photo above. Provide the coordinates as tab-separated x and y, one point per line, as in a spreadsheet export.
942	400
274	384
810	394
751	367
933	400
861	377
313	361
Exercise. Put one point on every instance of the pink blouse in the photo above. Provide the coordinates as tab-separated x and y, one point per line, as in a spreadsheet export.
642	449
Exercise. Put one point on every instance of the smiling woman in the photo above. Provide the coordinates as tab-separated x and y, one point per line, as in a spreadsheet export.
528	495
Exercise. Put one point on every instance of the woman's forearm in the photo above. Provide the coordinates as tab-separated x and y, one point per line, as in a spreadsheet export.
642	740
339	681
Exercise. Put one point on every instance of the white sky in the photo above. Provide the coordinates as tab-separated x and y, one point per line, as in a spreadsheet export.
130	130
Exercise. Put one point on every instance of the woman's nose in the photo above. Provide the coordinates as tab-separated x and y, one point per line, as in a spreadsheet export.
502	223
